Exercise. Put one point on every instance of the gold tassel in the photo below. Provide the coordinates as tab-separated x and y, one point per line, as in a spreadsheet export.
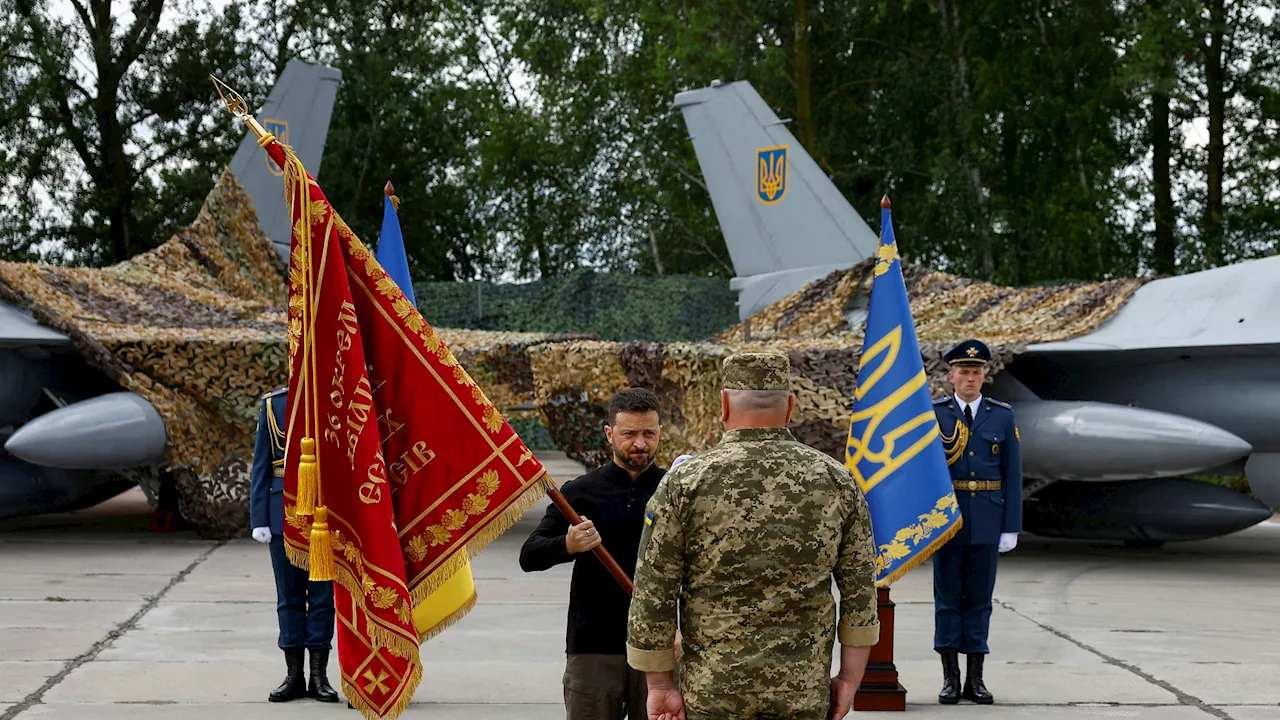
308	482
321	547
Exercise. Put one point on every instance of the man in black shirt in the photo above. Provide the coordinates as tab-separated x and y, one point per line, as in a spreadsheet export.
598	683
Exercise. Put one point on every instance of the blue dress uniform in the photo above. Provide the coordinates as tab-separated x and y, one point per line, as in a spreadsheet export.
304	609
985	459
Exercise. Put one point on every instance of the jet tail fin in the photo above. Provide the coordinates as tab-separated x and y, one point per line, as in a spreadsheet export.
783	220
297	112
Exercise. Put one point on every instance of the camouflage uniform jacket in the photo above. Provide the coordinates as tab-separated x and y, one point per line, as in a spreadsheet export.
745	538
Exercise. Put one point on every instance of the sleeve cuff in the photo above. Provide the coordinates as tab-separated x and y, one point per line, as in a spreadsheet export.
865	636
651	660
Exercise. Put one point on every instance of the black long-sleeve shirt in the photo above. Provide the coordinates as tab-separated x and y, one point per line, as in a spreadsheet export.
614	503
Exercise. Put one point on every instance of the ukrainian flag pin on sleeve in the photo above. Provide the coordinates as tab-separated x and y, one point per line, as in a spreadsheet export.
894	450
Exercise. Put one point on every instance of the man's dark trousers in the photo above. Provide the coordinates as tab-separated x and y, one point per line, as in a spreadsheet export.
301	627
964	578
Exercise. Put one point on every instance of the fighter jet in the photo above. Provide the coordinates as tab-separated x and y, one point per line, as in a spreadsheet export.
1183	380
70	434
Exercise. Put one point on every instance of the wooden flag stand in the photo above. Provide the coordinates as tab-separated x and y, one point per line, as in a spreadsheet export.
880	689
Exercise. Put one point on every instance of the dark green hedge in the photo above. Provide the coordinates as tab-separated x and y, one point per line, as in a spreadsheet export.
613	306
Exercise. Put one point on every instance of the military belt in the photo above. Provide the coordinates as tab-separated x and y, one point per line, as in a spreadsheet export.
976	485
277	471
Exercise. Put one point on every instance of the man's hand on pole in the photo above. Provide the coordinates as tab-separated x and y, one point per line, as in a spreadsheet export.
581	537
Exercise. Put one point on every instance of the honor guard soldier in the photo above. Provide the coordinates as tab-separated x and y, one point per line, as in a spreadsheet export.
743	540
304	609
982	447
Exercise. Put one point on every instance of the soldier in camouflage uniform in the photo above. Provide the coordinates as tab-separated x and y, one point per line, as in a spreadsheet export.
743	539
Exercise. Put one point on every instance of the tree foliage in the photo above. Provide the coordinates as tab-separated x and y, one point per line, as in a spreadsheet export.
107	124
1021	142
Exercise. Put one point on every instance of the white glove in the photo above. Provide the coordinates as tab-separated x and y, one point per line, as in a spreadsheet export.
263	534
1008	541
679	460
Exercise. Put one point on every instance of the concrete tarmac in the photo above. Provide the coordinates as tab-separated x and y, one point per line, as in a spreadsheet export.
100	619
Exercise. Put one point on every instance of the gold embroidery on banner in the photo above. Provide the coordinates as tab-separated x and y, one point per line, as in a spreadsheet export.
388	426
431	339
500	518
418	548
435	535
492	419
918	533
411	462
409	314
454	520
375	683
384	597
388	287
525	457
489	482
475	504
407	529
301	523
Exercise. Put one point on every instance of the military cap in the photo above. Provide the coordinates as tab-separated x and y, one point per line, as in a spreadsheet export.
757	371
969	352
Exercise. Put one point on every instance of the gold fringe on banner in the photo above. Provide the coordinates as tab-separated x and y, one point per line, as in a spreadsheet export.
358	702
920	557
499	525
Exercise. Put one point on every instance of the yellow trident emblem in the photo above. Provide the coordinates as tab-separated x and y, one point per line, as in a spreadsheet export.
771	174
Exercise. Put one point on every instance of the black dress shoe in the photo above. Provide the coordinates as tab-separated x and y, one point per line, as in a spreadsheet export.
950	694
973	688
295	682
318	687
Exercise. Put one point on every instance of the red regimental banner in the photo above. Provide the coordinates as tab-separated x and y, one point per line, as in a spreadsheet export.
415	469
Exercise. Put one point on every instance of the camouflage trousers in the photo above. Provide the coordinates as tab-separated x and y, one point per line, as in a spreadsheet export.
764	706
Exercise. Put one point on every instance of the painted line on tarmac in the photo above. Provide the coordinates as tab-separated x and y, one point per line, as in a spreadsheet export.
1184	698
36	697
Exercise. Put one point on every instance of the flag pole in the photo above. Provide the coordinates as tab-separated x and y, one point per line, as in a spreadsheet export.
614	569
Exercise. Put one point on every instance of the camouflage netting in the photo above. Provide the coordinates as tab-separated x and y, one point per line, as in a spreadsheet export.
197	327
820	329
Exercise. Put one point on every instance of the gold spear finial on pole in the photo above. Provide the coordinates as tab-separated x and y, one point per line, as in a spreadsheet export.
238	107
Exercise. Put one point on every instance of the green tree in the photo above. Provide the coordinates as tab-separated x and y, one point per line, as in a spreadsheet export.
108	128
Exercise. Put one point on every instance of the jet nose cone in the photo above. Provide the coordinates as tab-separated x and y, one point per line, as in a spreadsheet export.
1100	441
1215	439
110	432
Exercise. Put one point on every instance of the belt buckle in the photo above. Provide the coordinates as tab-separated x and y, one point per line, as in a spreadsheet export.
973	485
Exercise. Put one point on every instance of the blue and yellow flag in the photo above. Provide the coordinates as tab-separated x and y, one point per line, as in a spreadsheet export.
391	255
894	450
